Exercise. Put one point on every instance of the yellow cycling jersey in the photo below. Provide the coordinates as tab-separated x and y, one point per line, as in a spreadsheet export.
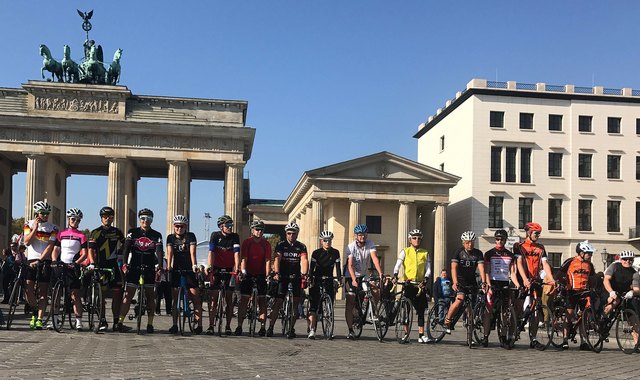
415	263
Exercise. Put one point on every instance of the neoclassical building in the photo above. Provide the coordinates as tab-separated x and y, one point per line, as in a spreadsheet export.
389	193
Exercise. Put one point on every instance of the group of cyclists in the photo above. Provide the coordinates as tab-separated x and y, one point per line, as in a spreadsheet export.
521	279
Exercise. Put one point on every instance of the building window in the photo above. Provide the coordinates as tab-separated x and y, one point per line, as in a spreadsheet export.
374	224
525	165
526	121
637	126
584	165
584	123
555	164
555	122
496	164
638	167
496	119
613	166
637	214
441	143
554	259
525	211
511	165
613	124
495	212
555	214
613	216
584	215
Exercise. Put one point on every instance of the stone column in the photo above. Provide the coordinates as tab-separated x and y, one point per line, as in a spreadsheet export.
233	193
440	239
403	225
317	223
121	192
354	216
304	225
178	190
35	188
6	180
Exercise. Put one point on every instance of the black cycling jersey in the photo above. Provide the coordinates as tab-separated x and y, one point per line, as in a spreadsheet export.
621	277
323	261
107	243
290	255
181	254
467	265
143	247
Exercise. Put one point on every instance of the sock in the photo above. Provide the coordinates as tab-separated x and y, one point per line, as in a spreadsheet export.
150	319
121	319
420	335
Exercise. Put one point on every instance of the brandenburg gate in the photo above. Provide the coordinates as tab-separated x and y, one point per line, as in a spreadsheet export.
54	129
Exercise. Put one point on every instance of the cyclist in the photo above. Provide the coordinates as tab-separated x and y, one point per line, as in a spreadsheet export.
71	249
291	259
105	245
500	267
256	263
181	255
39	238
531	259
577	271
224	254
416	267
618	280
466	260
323	260
8	272
142	246
360	254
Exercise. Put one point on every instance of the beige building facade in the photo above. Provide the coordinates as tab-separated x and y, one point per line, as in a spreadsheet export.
566	157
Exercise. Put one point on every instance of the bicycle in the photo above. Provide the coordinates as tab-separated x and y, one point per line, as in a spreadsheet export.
17	291
559	317
537	317
368	312
184	305
288	313
402	312
626	322
140	298
326	309
61	305
436	328
226	277
94	304
505	316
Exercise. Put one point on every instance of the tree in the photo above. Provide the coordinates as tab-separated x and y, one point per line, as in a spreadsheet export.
17	226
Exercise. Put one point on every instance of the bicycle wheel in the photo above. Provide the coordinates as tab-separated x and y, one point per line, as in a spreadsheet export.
507	327
590	330
479	312
435	327
624	330
404	320
252	313
141	306
383	318
14	300
95	307
540	327
288	315
220	310
557	326
326	305
180	304
470	327
58	311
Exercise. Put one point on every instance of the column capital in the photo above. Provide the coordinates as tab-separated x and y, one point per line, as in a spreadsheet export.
356	200
238	165
405	202
178	162
35	155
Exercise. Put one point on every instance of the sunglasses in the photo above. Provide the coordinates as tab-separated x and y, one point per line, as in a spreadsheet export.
292	233
536	233
627	259
74	219
258	229
416	238
229	225
326	240
145	218
107	216
179	226
44	213
500	239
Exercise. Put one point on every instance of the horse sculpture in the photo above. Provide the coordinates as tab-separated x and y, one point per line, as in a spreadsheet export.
92	70
50	64
70	71
113	75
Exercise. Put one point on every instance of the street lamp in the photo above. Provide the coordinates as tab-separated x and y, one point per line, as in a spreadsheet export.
605	257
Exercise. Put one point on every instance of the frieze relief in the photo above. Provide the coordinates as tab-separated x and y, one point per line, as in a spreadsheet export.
75	104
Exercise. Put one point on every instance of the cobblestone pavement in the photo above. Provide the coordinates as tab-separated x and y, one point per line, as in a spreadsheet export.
30	354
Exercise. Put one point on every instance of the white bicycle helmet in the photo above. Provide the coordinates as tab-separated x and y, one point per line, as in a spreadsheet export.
627	254
326	235
292	227
74	213
415	232
585	246
468	235
40	206
180	219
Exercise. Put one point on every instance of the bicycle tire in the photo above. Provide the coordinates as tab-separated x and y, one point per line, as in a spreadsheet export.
404	320
541	318
507	327
327	320
478	322
253	313
95	307
470	327
180	304
557	326
435	328
590	330
141	306
288	315
220	310
624	329
58	311
383	318
14	300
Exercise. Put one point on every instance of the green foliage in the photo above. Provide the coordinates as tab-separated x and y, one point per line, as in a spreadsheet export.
17	226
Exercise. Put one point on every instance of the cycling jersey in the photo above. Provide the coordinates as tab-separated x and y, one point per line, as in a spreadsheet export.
181	250
621	277
323	261
361	257
577	272
500	262
415	263
45	233
467	264
71	242
534	254
106	241
143	247
290	255
224	248
256	255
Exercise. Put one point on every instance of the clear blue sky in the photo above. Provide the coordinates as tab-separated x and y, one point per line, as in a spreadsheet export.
326	81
